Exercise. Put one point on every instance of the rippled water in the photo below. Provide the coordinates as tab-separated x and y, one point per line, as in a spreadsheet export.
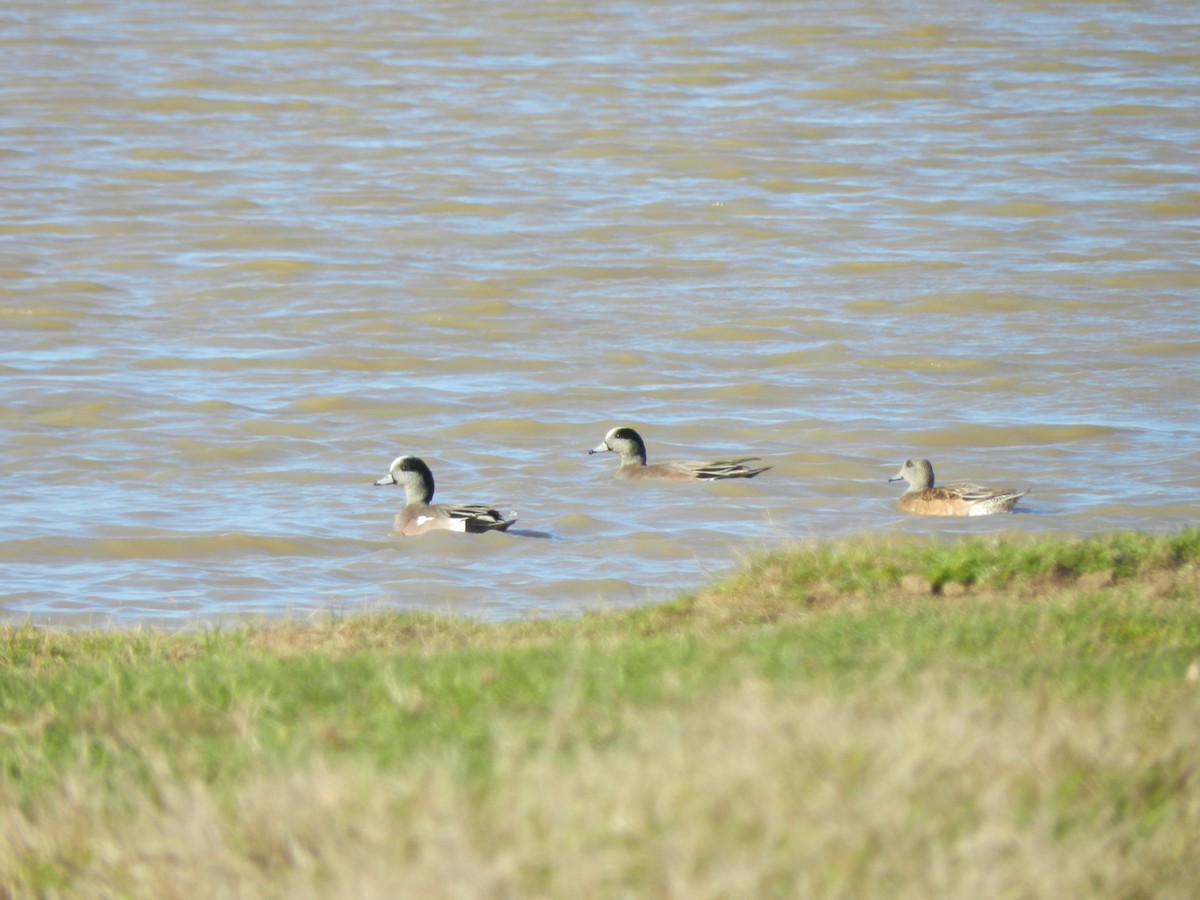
252	252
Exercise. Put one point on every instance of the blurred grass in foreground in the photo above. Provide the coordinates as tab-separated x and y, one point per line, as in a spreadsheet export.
1011	716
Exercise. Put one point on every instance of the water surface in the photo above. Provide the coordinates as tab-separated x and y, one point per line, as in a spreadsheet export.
250	253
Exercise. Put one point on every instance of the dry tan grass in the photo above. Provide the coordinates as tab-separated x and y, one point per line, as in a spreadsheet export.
921	791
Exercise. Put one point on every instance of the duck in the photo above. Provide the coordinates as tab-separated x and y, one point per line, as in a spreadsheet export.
963	498
629	446
420	516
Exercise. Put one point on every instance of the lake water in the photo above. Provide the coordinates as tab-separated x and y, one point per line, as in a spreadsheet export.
250	252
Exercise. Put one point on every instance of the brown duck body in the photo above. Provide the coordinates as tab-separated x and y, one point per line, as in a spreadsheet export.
418	518
680	470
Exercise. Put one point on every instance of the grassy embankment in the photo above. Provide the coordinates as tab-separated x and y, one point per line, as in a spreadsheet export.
1013	717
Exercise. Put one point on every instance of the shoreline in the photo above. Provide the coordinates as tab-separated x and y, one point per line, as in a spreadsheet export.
1003	714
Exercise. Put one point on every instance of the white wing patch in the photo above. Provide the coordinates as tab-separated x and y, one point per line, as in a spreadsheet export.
421	520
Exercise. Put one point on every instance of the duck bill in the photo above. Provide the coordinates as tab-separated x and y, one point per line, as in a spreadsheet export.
600	448
386	479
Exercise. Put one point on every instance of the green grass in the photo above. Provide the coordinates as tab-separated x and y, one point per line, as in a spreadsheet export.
876	565
831	720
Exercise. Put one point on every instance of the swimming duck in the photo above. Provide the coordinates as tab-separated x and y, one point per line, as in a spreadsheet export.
629	446
419	516
960	499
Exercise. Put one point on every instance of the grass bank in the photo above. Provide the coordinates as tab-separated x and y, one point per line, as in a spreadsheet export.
993	717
